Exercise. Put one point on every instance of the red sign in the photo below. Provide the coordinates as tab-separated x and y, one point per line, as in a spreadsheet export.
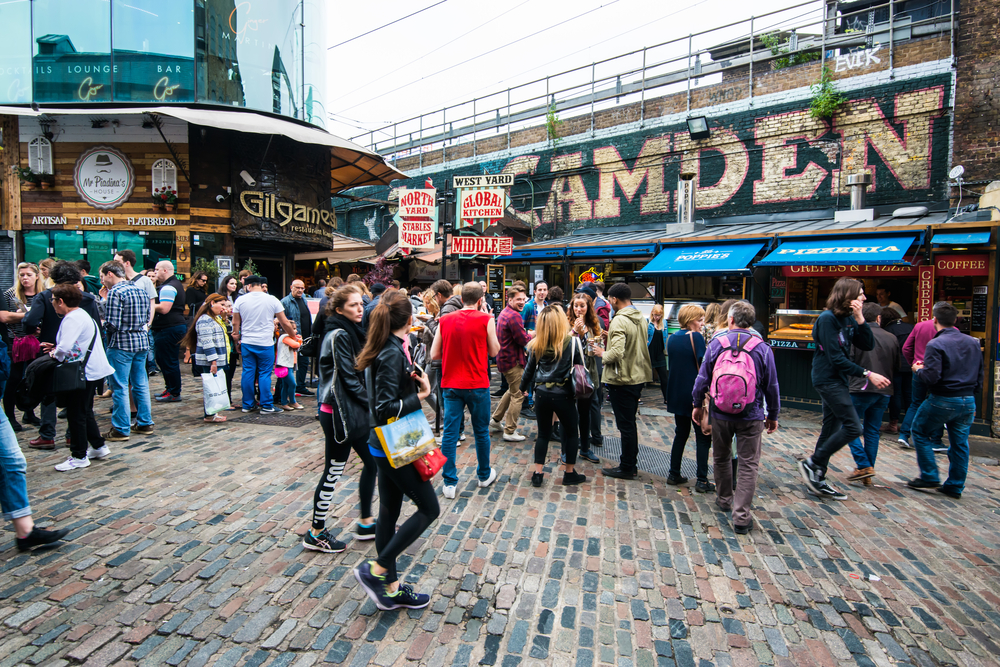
962	265
925	293
855	270
483	245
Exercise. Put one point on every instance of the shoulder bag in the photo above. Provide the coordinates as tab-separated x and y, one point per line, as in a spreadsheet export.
705	424
583	386
407	439
72	375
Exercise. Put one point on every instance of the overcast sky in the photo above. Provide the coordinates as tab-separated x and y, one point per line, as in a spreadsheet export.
419	64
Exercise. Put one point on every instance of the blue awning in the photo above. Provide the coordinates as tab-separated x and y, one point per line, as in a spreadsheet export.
850	250
617	253
703	258
962	238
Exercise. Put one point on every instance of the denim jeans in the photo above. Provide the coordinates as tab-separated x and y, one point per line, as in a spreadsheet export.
917	397
957	412
167	348
258	364
300	374
13	484
902	384
151	354
285	388
455	402
130	367
870	408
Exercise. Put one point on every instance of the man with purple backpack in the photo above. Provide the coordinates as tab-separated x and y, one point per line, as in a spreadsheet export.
739	376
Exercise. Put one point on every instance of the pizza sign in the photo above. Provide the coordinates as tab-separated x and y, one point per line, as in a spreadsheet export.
104	177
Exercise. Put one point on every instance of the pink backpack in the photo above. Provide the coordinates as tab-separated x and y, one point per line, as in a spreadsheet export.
734	378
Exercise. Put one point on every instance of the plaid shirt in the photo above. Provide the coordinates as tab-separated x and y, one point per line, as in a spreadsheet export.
530	313
126	314
513	338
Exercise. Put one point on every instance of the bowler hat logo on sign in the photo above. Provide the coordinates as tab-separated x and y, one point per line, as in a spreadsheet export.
104	177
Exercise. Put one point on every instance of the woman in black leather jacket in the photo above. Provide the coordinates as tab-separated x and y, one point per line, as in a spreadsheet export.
550	369
344	418
397	391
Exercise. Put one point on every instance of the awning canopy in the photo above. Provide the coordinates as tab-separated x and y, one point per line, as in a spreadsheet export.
841	250
702	258
351	165
960	238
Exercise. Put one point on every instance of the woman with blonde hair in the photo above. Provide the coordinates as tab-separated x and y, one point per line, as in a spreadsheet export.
44	267
550	370
24	347
656	340
711	317
686	348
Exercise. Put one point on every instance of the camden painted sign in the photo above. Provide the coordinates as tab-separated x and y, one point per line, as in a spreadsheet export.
768	159
104	177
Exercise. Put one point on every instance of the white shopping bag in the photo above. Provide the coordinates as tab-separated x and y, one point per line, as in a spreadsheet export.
216	396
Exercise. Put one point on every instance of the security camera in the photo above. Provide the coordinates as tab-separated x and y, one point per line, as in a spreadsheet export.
220	198
247	178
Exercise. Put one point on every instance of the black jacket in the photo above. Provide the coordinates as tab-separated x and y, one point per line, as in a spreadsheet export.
834	337
953	364
347	395
45	318
549	370
882	359
901	330
395	392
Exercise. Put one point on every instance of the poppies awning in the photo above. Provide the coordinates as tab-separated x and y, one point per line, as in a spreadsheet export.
962	238
844	250
703	258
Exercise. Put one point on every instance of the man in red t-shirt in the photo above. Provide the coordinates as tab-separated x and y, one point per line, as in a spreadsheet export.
464	342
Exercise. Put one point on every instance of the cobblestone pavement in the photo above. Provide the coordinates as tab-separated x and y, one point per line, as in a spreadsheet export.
186	550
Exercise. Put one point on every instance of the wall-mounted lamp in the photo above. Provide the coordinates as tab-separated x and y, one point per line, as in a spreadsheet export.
698	127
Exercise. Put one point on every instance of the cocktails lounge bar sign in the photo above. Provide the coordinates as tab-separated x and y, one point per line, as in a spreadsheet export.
295	217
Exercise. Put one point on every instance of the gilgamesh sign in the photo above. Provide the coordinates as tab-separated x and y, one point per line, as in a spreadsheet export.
962	265
925	293
267	206
482	245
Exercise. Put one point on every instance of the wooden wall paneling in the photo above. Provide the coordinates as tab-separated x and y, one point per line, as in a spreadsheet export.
10	191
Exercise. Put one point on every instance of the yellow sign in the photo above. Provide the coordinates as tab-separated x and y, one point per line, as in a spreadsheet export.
267	206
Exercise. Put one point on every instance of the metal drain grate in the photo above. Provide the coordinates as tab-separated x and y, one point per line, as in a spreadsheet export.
286	420
653	461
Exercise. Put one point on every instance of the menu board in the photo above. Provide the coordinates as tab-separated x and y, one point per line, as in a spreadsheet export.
979	308
496	274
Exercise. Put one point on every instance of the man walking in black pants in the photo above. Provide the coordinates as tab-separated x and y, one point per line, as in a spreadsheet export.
626	370
840	326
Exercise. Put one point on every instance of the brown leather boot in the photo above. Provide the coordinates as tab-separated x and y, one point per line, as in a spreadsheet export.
891	427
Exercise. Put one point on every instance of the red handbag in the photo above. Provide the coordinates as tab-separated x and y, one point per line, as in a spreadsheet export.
429	464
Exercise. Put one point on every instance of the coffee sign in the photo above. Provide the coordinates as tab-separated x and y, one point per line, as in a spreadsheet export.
104	177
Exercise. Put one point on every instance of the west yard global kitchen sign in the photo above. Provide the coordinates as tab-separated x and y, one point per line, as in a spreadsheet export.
104	177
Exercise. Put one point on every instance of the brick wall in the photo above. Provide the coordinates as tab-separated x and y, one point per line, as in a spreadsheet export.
977	108
768	157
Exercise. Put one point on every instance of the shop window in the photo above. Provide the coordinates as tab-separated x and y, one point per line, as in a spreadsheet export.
164	175
159	246
67	245
99	245
130	241
36	246
40	155
72	59
206	246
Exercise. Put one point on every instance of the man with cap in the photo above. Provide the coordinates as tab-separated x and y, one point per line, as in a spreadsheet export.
253	326
376	290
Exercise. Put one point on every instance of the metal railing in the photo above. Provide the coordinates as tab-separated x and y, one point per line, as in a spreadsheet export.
819	27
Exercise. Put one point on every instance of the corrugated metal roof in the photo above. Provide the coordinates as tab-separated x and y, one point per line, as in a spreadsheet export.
747	230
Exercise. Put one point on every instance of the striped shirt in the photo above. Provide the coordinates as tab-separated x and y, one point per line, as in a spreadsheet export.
126	316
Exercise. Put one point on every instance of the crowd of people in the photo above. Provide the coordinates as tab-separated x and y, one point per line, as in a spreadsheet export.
383	353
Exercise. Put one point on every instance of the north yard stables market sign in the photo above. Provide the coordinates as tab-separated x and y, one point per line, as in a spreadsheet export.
417	218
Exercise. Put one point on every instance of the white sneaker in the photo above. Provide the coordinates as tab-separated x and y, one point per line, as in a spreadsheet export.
462	437
438	439
72	464
492	477
495	426
98	454
449	492
513	437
